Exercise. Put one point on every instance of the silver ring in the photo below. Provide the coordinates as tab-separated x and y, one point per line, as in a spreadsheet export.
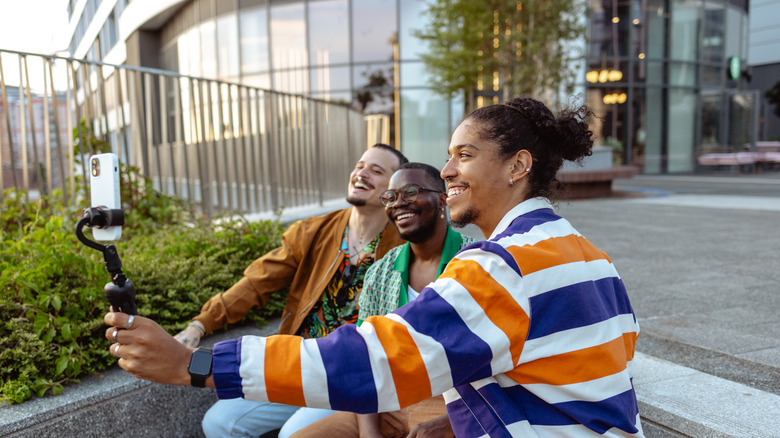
116	350
130	321
113	335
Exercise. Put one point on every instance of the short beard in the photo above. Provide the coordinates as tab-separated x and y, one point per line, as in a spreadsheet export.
468	217
421	234
356	202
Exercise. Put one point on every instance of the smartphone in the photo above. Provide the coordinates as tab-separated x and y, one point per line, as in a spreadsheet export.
104	191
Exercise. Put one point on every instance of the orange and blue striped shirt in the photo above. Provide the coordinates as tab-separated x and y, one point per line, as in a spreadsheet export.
529	333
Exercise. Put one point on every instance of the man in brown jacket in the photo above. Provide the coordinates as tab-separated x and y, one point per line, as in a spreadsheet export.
323	260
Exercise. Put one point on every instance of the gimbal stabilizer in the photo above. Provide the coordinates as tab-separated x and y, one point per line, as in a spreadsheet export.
119	292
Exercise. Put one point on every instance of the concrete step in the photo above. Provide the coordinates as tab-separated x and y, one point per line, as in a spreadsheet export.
679	401
117	404
674	401
763	375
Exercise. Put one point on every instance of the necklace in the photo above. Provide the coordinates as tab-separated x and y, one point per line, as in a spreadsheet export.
356	251
356	248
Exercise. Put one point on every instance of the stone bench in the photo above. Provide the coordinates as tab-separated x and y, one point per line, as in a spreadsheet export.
768	146
766	154
738	160
678	401
674	401
117	404
592	178
596	183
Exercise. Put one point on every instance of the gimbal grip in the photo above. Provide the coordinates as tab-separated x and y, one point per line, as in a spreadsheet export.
121	298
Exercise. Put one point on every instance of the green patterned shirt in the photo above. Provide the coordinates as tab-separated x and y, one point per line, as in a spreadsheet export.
387	280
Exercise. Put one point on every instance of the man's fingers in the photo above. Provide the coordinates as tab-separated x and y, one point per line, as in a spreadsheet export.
120	326
124	321
112	334
117	319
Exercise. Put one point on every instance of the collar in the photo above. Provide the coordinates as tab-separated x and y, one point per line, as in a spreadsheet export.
520	209
452	244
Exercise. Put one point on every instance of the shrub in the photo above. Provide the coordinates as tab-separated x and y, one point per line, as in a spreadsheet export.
182	267
51	299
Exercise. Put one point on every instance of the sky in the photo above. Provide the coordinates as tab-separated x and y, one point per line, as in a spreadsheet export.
36	26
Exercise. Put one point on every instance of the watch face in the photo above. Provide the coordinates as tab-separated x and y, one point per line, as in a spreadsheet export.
201	363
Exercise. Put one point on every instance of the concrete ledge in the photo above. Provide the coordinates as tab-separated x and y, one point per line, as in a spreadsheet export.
117	404
292	214
593	183
674	401
679	401
585	175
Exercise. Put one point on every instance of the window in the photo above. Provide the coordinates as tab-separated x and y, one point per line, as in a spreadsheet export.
227	46
254	41
373	30
288	36
412	18
288	48
328	32
208	49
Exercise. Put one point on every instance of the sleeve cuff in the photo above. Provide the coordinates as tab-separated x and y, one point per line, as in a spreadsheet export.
206	322
225	369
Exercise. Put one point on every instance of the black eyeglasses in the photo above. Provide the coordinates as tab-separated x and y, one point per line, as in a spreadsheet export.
408	193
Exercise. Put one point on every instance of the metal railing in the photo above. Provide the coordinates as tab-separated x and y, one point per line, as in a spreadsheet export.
222	146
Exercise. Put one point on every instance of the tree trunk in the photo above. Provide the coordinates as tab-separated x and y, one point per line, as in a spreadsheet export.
470	101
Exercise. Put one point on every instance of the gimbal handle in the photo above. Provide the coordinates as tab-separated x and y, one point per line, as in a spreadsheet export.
120	291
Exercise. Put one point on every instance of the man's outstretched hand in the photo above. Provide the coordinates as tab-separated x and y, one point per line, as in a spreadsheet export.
147	351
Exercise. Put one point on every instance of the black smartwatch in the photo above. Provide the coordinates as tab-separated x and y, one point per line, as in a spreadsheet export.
200	366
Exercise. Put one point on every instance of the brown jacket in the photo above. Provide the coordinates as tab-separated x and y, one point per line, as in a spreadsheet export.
306	261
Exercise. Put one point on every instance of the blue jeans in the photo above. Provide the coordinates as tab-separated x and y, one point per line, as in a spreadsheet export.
243	418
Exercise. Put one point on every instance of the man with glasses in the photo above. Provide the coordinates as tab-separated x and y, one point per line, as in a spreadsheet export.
323	260
415	204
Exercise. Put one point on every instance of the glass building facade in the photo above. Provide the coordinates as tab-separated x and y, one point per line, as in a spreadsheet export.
667	76
360	52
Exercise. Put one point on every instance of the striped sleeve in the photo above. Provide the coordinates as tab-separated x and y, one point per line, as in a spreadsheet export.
422	349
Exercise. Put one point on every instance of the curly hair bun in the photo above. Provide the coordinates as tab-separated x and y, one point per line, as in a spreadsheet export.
568	133
576	138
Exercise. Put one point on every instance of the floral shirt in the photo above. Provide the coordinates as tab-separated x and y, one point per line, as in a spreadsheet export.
336	306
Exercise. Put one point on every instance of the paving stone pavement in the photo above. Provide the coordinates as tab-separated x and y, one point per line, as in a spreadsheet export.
700	258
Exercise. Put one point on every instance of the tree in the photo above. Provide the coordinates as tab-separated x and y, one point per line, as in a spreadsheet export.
773	97
508	47
375	89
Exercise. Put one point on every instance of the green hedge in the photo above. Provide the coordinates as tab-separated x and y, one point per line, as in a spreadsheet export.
51	286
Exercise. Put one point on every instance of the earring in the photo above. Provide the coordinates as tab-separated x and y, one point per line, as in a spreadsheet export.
442	213
527	169
511	181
